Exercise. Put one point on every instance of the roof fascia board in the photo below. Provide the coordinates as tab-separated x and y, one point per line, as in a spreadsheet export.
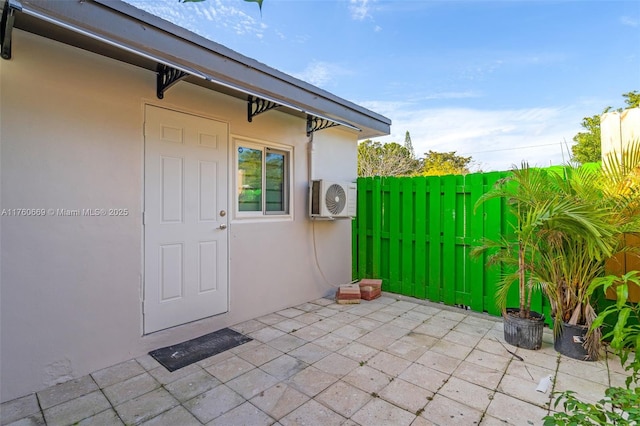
128	26
231	55
76	29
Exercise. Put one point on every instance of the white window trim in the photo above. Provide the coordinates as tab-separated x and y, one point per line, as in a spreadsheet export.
262	145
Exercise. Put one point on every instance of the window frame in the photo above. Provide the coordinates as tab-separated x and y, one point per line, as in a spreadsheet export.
265	147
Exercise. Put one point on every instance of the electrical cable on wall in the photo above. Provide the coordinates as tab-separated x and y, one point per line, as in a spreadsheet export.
315	255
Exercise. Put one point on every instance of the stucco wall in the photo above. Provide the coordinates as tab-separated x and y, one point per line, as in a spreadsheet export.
618	130
71	287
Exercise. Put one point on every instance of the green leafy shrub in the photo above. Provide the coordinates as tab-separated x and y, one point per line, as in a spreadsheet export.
620	405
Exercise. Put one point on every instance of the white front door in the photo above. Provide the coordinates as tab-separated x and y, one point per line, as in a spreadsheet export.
185	218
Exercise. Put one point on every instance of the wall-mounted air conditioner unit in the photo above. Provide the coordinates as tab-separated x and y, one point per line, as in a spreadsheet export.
329	199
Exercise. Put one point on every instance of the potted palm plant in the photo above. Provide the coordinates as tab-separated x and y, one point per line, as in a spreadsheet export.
569	222
572	254
598	207
526	193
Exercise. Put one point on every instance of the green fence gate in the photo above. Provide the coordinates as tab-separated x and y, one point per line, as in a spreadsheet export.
415	233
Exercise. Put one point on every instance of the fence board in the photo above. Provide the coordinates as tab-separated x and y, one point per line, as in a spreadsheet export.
435	250
408	208
376	235
475	220
449	263
420	219
495	225
462	294
394	235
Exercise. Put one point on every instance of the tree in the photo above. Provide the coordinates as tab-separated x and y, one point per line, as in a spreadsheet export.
632	99
390	159
587	148
445	163
408	145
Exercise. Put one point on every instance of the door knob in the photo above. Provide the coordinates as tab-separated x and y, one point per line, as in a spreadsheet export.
223	226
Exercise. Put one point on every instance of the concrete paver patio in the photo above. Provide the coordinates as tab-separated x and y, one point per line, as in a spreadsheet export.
390	361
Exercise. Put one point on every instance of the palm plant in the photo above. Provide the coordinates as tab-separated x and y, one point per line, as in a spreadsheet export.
601	206
622	185
574	249
563	235
569	222
526	191
555	221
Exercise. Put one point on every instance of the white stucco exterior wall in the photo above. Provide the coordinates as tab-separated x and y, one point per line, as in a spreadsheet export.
618	130
71	288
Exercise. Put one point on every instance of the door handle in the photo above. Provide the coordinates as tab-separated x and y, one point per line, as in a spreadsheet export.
223	226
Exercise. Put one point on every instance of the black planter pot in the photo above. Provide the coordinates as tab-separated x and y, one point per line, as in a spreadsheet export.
569	341
524	333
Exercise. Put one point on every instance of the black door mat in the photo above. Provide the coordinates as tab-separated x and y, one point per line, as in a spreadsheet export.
186	353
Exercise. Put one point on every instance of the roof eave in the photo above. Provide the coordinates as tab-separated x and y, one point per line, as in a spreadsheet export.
140	31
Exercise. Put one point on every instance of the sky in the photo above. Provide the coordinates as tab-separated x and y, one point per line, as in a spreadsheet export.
499	81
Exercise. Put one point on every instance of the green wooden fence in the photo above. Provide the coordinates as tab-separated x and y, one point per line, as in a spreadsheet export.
416	234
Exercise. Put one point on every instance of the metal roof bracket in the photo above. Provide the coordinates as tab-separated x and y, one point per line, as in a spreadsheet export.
316	123
256	105
167	77
6	27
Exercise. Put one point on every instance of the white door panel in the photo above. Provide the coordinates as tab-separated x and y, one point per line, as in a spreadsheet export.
185	193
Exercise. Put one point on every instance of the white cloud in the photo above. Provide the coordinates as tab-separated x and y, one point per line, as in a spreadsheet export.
452	95
191	15
629	21
496	139
479	71
320	73
359	9
480	65
316	73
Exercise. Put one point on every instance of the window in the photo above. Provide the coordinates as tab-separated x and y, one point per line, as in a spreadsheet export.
262	180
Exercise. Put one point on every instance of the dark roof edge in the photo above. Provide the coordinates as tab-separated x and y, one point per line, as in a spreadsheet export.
124	23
